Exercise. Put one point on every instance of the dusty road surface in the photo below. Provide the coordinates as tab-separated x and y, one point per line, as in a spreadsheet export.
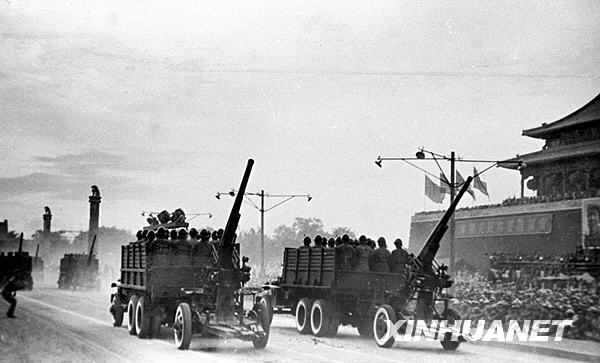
75	326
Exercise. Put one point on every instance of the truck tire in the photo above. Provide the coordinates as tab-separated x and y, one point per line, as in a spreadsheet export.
142	319
322	319
447	343
264	320
116	310
131	305
303	316
182	327
383	321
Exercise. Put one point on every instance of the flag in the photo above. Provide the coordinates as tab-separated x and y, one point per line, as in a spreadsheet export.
433	191
460	181
445	184
479	184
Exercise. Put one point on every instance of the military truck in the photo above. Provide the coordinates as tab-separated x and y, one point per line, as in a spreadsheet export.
17	267
79	271
322	296
196	293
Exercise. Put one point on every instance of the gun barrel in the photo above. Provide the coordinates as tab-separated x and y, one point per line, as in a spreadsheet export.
430	248
37	250
20	244
227	240
91	250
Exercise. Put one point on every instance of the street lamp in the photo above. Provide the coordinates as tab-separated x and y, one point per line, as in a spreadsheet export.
262	211
420	155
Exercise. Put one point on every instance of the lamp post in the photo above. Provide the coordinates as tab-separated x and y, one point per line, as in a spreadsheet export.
420	155
262	211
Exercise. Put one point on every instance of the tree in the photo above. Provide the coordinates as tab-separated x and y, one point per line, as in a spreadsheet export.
340	231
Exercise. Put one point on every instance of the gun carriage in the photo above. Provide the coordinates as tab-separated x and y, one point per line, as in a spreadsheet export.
79	271
197	293
16	268
322	296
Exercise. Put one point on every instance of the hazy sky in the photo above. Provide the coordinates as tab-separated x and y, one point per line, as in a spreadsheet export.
160	103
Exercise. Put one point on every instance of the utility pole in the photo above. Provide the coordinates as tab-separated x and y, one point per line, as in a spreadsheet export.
262	211
420	155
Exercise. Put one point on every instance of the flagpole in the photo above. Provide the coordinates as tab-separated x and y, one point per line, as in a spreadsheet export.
452	219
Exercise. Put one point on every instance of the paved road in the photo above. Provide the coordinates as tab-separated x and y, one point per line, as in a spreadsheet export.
74	326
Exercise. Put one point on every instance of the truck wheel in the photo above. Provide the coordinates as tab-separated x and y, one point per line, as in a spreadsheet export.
133	299
303	316
182	327
385	317
264	320
142	319
117	312
322	320
447	343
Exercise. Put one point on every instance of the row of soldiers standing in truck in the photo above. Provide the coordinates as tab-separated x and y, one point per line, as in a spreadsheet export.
361	256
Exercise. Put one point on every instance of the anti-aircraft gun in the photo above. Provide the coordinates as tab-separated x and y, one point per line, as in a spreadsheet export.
15	268
322	293
194	287
79	270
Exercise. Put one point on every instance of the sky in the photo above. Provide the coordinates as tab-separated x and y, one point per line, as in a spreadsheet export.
161	103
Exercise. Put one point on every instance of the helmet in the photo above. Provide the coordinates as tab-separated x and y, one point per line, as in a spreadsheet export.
398	242
345	238
204	234
381	241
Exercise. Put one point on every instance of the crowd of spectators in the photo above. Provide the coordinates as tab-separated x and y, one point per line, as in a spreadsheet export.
477	298
535	269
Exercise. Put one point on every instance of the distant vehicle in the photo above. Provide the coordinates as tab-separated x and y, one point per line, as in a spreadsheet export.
322	296
196	293
17	265
79	271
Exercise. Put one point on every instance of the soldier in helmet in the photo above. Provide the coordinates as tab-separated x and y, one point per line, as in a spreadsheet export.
306	243
345	254
203	248
193	235
381	257
399	258
331	243
362	255
318	242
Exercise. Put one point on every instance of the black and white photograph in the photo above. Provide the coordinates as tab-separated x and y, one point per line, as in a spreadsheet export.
299	181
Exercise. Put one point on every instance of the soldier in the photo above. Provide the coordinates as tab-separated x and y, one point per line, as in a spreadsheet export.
324	242
173	234
345	253
380	260
362	255
138	235
399	258
306	243
203	247
193	235
331	243
318	241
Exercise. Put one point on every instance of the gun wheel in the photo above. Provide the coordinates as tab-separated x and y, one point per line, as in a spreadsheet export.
383	323
447	343
264	319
